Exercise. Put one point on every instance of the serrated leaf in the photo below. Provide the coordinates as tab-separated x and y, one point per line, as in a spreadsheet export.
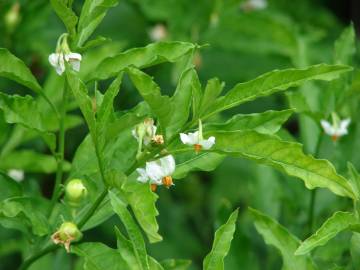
285	156
268	122
212	90
92	13
275	81
132	229
221	245
67	16
150	55
142	201
98	256
337	223
278	236
14	69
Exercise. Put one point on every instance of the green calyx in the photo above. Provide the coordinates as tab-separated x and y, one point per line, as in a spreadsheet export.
69	231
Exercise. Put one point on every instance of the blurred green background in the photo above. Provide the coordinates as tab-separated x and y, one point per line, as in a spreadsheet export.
240	44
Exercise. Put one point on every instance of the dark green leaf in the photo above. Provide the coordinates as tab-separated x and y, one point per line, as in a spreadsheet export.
65	13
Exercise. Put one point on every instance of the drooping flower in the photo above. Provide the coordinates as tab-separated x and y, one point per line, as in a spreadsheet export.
62	55
254	5
197	140
67	233
158	172
145	131
17	175
337	128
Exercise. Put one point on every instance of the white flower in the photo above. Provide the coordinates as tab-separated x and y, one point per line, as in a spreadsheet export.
196	139
158	32
57	60
17	175
337	129
254	5
158	172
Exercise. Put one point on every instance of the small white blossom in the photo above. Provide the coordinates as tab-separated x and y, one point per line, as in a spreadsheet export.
57	60
158	32
196	139
17	175
158	172
337	129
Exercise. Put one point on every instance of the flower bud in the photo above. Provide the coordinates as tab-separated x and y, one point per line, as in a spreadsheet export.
67	233
75	191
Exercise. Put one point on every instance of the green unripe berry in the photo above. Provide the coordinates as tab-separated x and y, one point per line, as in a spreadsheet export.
69	230
75	191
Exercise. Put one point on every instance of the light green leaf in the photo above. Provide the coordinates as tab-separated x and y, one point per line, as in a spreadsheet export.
268	122
154	264
18	206
221	245
204	161
126	250
275	81
30	161
212	90
339	222
278	236
197	95
151	93
150	55
80	92
181	102
354	178
14	69
175	264
24	111
345	47
142	201
92	14
285	156
98	256
9	187
65	13
132	229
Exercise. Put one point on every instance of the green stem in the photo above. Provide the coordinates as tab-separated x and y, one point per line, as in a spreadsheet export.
61	148
313	192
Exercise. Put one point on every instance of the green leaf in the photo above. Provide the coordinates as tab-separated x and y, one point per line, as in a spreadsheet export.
275	81
285	156
24	111
30	161
14	69
65	13
212	90
221	245
92	14
80	92
345	47
132	229
197	96
9	188
126	250
278	236
181	101
142	201
354	179
268	122
151	93
175	264
339	222
150	55
18	206
205	161
98	256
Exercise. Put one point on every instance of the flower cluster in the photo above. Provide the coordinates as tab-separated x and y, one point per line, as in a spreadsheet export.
62	55
159	172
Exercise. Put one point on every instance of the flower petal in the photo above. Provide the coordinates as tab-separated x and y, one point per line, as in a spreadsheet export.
207	144
154	171
143	177
168	165
328	128
190	138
